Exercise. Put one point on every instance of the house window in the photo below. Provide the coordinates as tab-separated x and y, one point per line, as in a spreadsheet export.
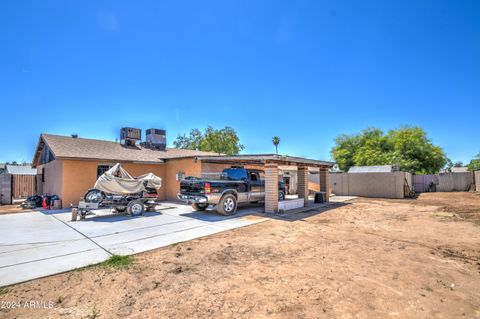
180	176
102	169
43	174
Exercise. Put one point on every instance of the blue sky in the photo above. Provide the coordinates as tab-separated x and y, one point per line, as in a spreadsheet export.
306	71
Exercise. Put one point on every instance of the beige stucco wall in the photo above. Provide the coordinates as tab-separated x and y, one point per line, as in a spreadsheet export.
213	167
188	166
53	182
339	183
384	185
79	176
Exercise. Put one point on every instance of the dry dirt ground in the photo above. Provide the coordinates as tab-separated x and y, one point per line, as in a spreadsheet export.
12	209
371	258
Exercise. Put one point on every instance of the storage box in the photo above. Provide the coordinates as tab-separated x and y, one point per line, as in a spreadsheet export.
57	204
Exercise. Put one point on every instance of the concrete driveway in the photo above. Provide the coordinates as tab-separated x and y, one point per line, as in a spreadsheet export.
43	243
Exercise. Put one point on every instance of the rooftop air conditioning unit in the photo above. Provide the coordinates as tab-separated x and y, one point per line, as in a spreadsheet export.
156	139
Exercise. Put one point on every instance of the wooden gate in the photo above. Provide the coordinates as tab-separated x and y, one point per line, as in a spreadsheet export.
422	182
23	186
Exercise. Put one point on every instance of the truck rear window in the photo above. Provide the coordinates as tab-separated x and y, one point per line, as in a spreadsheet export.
234	174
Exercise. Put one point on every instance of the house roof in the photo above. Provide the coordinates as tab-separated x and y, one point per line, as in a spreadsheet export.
20	170
371	169
461	169
66	147
265	158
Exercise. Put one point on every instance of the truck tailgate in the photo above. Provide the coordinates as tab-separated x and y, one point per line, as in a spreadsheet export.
191	186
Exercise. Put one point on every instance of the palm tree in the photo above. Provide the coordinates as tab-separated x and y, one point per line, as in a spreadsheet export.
276	141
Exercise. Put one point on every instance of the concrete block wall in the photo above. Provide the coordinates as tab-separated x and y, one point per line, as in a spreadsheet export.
477	181
451	182
382	185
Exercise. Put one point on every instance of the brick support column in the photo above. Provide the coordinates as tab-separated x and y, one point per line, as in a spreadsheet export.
324	183
302	188
271	188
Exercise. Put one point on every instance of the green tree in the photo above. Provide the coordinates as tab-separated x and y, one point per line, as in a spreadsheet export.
474	164
221	141
276	141
191	142
406	147
448	165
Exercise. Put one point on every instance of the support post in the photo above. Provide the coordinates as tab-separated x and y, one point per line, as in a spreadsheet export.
271	188
324	183
302	188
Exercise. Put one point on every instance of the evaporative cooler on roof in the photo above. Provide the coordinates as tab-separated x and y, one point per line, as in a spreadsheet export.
130	135
156	139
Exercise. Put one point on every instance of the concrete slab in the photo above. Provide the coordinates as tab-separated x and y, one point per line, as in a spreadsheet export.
39	244
341	199
34	245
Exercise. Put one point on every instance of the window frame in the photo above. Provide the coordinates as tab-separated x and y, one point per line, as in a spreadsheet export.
104	165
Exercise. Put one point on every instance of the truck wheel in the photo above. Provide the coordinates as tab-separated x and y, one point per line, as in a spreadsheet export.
281	195
199	207
227	205
135	208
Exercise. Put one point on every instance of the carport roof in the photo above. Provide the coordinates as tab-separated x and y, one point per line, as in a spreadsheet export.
265	158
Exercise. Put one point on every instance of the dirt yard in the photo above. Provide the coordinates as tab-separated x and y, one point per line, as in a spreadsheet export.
12	209
370	258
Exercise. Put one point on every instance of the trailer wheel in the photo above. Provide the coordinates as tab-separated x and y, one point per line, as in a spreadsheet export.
135	208
199	207
227	205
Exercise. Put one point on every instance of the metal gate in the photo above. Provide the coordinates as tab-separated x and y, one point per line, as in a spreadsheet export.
422	182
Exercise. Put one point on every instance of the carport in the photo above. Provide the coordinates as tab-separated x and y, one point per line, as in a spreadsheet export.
270	164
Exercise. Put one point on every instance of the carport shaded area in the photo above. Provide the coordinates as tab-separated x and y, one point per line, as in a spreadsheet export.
271	164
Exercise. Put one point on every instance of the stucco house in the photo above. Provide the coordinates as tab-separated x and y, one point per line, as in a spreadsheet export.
68	166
